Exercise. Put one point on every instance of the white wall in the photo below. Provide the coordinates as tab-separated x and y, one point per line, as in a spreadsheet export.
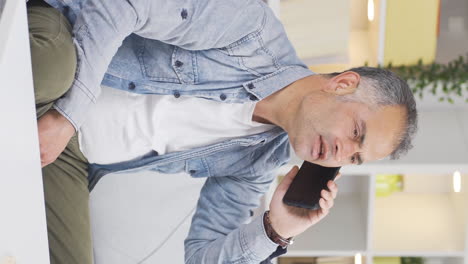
23	232
319	30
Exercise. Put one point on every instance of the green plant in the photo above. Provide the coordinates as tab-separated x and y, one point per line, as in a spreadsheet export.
443	80
412	260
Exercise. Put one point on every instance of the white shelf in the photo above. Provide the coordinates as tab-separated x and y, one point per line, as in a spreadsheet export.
427	219
346	225
427	254
424	222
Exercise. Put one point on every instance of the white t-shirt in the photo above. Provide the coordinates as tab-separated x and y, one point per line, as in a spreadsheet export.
122	126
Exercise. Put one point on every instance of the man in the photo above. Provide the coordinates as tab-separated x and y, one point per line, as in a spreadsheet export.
234	61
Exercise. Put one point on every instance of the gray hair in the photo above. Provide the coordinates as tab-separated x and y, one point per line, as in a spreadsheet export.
380	87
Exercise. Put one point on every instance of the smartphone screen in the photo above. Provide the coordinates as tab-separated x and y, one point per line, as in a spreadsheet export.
310	180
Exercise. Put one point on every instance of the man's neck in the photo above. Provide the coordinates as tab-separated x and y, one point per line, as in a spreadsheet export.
281	107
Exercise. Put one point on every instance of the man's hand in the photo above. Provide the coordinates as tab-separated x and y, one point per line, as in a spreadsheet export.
289	221
55	131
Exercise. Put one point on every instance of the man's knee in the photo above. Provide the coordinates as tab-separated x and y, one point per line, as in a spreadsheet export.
53	54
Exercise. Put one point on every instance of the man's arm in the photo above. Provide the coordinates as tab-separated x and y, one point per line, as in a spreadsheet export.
102	25
217	234
98	32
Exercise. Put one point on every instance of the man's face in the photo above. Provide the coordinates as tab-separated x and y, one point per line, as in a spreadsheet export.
338	127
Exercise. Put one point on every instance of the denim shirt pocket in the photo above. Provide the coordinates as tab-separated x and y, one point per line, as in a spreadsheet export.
156	61
184	64
253	56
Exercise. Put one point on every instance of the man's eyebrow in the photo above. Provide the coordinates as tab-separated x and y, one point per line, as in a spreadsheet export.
361	142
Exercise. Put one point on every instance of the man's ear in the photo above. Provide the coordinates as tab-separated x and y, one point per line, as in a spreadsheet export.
343	83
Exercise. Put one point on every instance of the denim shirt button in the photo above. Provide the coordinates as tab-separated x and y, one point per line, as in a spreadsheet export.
253	97
223	97
250	86
131	86
178	63
176	94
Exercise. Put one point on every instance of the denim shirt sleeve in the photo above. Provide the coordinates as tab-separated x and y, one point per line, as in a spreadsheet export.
99	30
217	233
102	25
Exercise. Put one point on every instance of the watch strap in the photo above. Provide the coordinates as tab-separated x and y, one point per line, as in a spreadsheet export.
271	233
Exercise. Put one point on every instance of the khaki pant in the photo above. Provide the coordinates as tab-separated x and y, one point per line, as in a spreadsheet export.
65	180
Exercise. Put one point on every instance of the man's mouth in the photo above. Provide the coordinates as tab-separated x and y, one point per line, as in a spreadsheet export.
319	150
323	150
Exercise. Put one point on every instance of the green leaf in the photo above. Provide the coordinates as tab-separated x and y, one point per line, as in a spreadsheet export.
434	88
389	66
444	88
451	77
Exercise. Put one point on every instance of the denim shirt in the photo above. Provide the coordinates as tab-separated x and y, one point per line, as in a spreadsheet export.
230	51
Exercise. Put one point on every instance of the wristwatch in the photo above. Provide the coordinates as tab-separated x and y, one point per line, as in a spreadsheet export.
271	233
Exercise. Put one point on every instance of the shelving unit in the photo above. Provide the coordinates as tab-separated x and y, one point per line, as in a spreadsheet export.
433	216
427	219
346	226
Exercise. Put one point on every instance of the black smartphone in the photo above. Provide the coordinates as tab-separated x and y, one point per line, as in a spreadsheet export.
310	180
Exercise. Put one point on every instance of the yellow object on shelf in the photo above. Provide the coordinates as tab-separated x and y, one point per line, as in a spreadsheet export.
387	184
387	260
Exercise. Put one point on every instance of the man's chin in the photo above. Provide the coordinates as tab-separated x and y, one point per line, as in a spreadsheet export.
323	163
303	153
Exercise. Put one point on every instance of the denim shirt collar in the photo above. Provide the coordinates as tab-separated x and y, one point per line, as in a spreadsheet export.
153	160
266	85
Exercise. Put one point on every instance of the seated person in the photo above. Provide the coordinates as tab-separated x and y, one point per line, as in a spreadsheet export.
213	89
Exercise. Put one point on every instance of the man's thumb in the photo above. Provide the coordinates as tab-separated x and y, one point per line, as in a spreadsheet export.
287	180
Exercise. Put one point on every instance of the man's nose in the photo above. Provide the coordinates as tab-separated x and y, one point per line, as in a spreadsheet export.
345	149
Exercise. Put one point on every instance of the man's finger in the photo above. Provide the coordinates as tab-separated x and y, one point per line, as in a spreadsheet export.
287	180
323	205
326	195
